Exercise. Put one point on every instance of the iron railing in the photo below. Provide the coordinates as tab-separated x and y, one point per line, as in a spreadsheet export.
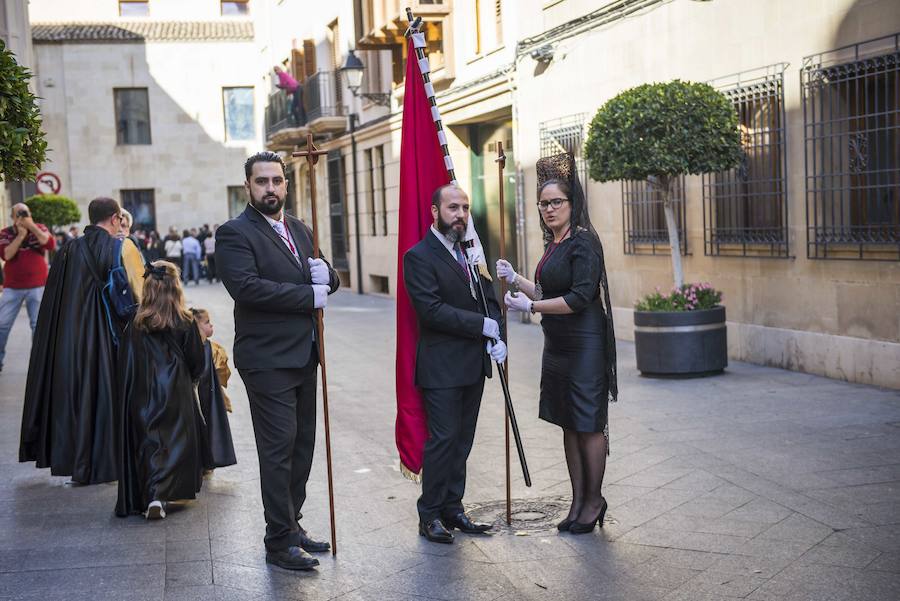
851	119
320	97
744	209
279	114
644	219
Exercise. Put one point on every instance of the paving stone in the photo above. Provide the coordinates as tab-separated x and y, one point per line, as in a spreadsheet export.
760	484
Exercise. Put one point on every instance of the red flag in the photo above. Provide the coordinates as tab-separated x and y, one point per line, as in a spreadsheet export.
422	171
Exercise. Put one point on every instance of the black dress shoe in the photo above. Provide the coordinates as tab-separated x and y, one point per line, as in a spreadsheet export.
292	558
313	546
435	531
463	523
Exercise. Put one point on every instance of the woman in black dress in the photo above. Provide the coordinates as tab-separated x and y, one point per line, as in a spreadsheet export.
578	370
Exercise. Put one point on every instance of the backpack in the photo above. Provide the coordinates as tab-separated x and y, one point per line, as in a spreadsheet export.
114	291
117	289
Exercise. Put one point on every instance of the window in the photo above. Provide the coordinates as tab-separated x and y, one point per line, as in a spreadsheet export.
337	209
645	220
382	187
566	135
744	209
488	25
238	113
142	206
237	200
235	7
370	193
132	116
134	8
851	114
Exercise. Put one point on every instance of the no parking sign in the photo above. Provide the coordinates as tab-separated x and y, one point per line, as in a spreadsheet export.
48	183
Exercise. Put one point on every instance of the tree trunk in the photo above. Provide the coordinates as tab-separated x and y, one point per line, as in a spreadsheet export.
665	185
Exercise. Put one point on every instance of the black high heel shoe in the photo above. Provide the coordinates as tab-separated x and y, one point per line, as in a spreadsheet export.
564	525
584	528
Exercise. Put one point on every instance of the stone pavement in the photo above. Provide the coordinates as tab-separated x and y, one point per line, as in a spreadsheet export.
759	484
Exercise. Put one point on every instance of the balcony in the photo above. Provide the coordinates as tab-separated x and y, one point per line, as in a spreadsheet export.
383	22
322	104
283	128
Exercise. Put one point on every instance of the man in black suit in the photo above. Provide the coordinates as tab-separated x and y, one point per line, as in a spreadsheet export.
265	261
453	357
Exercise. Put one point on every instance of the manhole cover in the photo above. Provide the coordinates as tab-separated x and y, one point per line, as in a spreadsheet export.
528	515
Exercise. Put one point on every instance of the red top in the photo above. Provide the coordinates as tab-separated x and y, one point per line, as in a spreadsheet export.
28	268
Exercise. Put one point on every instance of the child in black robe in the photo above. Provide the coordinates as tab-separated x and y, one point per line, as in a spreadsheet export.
160	361
218	448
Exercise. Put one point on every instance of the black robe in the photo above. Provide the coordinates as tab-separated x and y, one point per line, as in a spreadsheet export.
215	432
161	456
70	412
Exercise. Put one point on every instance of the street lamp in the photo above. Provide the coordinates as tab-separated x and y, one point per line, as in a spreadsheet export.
352	72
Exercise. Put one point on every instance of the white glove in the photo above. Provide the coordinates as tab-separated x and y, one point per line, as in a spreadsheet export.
318	269
490	329
519	302
505	271
320	294
497	350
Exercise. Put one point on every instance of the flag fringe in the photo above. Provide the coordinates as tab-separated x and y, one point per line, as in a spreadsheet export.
411	475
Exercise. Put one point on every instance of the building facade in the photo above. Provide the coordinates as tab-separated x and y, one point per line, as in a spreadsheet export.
803	238
15	31
156	104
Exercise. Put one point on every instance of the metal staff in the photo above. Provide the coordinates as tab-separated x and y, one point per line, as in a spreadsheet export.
312	157
501	370
501	163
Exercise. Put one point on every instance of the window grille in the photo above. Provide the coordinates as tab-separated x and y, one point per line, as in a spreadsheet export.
744	209
851	119
566	135
644	219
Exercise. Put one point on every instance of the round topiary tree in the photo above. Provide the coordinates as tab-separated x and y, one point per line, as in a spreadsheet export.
22	145
658	132
53	210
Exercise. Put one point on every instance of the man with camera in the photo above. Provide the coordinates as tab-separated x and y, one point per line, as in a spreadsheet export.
23	246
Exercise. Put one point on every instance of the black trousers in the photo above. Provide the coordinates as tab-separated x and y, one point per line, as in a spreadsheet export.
452	414
211	267
283	409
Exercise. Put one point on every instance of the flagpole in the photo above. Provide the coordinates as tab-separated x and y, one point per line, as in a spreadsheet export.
312	157
501	163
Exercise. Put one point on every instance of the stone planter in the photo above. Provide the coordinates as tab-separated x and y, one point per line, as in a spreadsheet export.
681	344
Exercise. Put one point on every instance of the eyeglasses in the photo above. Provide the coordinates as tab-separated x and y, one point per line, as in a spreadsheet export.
553	202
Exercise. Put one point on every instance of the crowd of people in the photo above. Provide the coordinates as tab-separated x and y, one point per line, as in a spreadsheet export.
124	383
193	250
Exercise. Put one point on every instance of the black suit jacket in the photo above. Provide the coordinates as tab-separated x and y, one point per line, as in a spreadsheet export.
451	349
272	292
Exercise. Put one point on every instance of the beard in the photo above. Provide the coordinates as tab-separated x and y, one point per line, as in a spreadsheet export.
270	204
449	230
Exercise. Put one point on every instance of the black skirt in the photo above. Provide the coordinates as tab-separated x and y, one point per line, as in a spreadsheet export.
574	383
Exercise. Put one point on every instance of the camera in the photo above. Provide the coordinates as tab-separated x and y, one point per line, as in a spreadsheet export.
22	214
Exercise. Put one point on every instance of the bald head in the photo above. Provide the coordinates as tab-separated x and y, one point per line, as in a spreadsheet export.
19	206
445	192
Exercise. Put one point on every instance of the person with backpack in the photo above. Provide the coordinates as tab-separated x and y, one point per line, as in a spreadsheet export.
70	415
